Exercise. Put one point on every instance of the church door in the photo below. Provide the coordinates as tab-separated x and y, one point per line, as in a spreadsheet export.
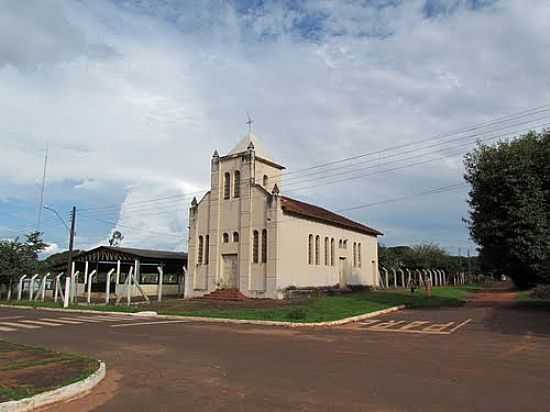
230	272
342	272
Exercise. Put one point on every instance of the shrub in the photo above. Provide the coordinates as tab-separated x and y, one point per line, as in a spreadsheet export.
541	292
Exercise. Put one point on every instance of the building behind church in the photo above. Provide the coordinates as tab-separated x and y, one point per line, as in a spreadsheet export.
246	235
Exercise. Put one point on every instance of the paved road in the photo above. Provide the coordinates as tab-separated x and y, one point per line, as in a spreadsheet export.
499	360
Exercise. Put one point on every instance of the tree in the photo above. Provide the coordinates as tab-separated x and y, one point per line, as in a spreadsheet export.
509	203
20	258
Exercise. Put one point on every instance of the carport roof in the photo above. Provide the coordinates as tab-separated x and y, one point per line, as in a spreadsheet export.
114	253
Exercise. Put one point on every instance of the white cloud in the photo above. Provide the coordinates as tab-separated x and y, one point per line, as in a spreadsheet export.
141	94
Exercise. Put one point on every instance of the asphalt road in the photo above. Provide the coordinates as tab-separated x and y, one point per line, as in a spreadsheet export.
498	360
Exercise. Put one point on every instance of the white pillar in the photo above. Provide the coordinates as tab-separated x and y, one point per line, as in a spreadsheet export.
394	272
187	284
129	285
408	276
31	286
161	279
20	291
402	273
44	285
108	286
117	279
90	286
72	291
85	272
57	286
67	291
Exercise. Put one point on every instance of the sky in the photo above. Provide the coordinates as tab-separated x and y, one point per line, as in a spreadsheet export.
131	98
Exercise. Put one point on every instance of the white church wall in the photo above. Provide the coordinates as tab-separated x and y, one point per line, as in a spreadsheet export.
292	257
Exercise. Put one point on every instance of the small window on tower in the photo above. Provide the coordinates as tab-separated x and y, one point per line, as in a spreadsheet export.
235	236
266	179
226	238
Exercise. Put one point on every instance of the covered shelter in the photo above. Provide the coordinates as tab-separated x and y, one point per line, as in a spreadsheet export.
146	265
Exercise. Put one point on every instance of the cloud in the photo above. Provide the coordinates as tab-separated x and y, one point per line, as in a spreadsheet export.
139	94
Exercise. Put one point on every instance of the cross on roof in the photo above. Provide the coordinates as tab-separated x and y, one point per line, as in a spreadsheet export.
249	123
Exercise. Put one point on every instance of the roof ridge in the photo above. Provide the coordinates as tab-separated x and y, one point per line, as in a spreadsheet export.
337	219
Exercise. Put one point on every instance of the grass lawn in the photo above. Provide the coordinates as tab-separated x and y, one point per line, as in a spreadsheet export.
319	309
26	371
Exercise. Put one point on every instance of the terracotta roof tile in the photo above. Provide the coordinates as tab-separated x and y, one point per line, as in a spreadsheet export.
296	207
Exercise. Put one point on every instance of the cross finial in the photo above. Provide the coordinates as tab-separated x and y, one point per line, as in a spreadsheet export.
249	123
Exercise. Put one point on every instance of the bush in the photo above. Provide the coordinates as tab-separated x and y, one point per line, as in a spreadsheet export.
297	314
541	292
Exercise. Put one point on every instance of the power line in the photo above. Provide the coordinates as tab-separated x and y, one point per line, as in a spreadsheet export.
515	116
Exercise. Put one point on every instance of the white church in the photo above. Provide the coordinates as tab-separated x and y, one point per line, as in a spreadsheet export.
246	236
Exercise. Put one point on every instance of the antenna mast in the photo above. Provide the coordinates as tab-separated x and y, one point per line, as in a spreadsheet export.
42	190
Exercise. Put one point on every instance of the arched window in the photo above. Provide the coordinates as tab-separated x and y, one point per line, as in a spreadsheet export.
201	247
264	246
317	251
354	254
327	255
255	241
235	236
332	252
345	243
266	179
226	238
310	250
359	254
340	243
237	184
226	186
206	249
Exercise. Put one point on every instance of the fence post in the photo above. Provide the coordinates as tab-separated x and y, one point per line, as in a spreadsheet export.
108	287
90	276
161	279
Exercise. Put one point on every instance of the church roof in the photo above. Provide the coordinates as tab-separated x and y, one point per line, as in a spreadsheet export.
296	207
242	147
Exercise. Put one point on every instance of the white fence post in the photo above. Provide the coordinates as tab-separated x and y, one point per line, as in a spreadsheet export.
161	279
44	279
67	293
108	286
90	276
31	287
57	286
20	291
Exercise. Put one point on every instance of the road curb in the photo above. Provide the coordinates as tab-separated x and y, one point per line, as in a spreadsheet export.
66	393
226	320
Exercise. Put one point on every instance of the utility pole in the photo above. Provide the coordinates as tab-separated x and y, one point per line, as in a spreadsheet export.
71	242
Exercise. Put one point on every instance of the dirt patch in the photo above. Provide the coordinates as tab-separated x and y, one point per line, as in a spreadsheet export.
493	297
26	371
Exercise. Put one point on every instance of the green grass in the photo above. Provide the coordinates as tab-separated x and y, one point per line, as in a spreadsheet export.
14	358
319	309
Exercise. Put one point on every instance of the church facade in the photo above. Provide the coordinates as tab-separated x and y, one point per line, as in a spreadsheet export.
245	235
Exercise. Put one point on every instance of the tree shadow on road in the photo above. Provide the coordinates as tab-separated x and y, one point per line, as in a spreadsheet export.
521	318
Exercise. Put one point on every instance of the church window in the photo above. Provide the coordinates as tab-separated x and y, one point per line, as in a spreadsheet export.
226	238
354	254
264	246
206	249
235	237
237	184
255	241
201	246
345	243
327	255
266	179
317	251
359	254
340	243
310	250
332	252
226	186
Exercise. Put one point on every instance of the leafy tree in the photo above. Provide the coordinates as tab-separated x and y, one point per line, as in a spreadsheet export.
510	207
20	258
